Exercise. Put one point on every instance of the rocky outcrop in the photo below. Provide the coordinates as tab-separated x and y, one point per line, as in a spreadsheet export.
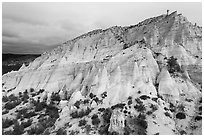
117	122
122	63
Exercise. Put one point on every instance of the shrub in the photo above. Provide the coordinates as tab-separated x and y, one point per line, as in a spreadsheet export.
40	106
87	129
52	111
120	105
25	92
200	108
21	112
80	114
20	94
127	130
103	130
153	107
95	121
77	104
61	132
5	99
141	121
82	122
5	112
155	99
101	109
31	90
94	116
149	112
181	107
180	115
138	101
144	97
7	122
29	114
114	133
96	99
104	94
107	115
86	101
140	107
91	95
18	129
173	65
8	132
11	105
27	123
125	46
167	114
197	118
182	132
25	97
36	130
12	97
139	124
33	94
129	98
55	97
129	102
46	122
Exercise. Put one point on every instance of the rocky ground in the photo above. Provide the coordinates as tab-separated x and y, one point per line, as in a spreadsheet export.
135	80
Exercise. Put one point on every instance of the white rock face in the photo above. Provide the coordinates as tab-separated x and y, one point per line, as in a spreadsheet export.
122	62
117	122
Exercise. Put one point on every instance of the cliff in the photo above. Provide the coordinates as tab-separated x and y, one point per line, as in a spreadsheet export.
145	62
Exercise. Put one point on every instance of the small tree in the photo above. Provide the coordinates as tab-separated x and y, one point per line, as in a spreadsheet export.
173	65
167	12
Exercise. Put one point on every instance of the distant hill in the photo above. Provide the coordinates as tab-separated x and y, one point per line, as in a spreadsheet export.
15	61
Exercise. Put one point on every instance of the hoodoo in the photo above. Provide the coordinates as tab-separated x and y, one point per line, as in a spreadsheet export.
129	78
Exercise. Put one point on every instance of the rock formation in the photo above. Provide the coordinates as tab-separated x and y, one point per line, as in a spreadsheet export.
131	66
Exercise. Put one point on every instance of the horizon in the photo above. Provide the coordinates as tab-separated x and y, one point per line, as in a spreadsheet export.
33	28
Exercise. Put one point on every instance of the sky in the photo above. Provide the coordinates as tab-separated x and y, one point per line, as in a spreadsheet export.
37	27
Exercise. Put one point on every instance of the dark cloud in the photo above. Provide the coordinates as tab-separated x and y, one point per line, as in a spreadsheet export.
36	27
9	34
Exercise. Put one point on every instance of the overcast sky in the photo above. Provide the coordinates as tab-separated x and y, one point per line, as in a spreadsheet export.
36	27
